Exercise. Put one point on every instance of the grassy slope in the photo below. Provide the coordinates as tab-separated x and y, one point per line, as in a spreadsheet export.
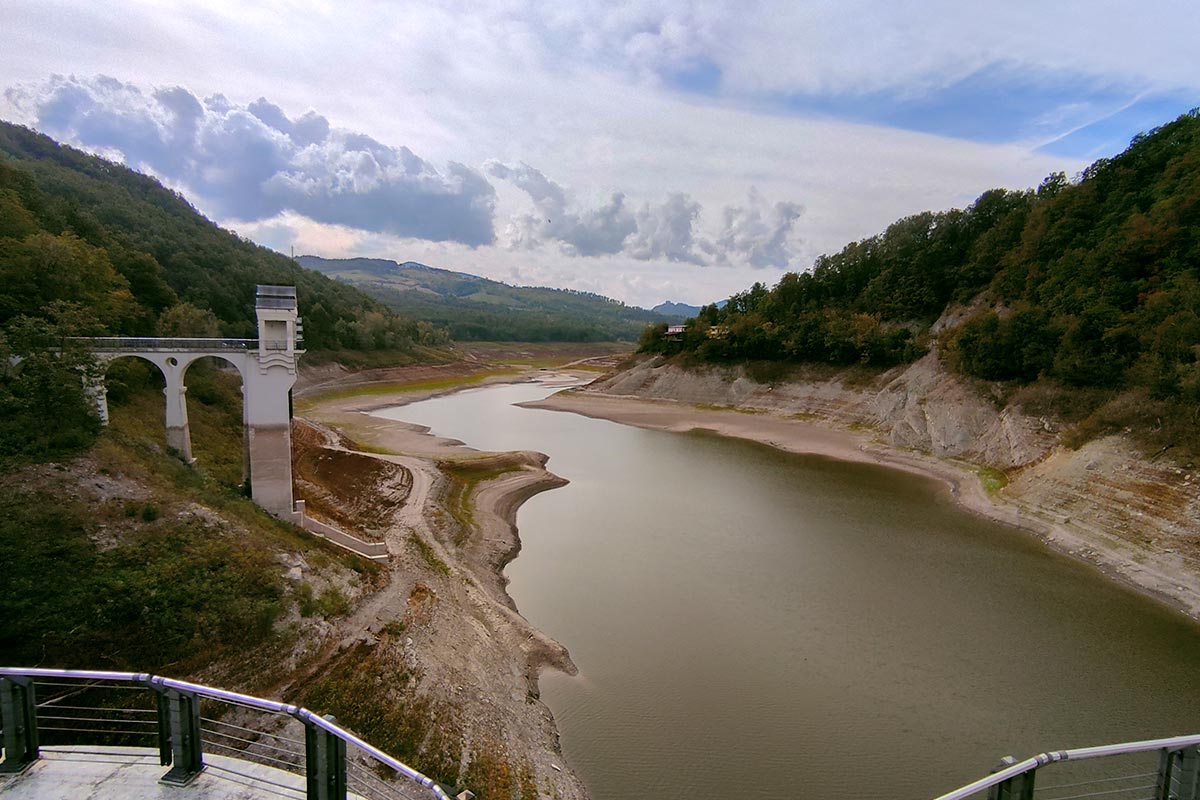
125	558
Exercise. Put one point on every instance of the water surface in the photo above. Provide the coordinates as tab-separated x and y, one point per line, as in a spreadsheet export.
756	624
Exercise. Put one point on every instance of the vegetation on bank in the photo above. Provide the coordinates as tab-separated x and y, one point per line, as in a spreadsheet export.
466	477
80	233
367	689
1088	289
164	567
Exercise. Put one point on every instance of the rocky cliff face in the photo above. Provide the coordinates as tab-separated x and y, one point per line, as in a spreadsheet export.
919	407
1135	517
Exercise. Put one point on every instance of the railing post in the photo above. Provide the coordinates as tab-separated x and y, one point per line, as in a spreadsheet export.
179	735
1166	769
324	762
19	709
1018	787
1189	774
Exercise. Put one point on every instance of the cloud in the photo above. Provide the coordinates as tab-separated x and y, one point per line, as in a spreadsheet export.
254	162
815	48
592	232
668	231
759	234
755	235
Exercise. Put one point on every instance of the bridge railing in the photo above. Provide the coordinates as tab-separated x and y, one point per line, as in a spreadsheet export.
185	721
163	343
128	343
1156	769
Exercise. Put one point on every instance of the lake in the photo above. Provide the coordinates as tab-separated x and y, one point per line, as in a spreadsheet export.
756	624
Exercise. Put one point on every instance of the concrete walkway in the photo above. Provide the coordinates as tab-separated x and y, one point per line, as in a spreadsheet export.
132	773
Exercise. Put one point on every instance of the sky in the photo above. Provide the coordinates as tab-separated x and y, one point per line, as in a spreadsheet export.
647	151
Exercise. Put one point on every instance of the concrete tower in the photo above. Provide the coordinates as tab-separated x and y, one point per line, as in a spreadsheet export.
267	399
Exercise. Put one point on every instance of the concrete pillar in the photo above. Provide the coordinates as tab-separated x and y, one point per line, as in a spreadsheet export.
267	383
95	390
178	436
269	434
271	467
245	436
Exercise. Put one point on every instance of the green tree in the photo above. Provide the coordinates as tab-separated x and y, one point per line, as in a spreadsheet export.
44	409
43	268
188	321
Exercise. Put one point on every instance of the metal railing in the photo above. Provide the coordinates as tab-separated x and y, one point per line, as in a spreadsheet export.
163	343
42	707
275	302
133	343
1156	769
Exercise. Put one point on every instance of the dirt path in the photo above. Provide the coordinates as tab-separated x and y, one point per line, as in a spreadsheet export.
463	634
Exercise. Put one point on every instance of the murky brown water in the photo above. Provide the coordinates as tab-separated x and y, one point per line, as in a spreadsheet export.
754	624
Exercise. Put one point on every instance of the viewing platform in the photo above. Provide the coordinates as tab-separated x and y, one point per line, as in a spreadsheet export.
71	734
78	733
116	773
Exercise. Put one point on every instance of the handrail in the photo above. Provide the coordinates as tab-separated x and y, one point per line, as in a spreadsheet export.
168	343
164	343
1076	754
266	301
303	714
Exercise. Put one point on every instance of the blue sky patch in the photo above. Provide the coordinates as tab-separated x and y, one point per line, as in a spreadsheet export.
699	76
1057	114
1110	135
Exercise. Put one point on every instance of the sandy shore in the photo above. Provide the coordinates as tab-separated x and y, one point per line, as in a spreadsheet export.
791	435
1165	576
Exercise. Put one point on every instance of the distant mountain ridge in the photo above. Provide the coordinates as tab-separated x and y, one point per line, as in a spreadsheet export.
473	308
677	309
377	266
670	308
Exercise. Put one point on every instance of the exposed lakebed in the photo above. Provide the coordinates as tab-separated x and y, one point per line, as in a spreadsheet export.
753	623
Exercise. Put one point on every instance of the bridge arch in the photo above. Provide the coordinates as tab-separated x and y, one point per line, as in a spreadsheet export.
173	365
267	367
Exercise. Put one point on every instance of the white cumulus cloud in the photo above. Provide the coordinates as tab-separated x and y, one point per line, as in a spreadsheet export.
755	235
253	162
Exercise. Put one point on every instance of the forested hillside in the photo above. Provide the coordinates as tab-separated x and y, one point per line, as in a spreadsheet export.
1091	284
91	242
477	309
88	247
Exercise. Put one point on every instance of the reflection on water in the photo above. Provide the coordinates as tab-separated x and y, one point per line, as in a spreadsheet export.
752	623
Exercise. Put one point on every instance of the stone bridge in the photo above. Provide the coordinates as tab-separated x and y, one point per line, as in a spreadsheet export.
267	366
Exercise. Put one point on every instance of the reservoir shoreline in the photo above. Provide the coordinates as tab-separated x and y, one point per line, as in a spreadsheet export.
499	497
698	577
1172	584
472	645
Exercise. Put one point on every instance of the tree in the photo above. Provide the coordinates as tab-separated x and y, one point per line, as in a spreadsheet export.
187	321
43	268
44	409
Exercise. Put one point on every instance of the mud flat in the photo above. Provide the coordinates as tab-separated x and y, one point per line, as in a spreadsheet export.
464	642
